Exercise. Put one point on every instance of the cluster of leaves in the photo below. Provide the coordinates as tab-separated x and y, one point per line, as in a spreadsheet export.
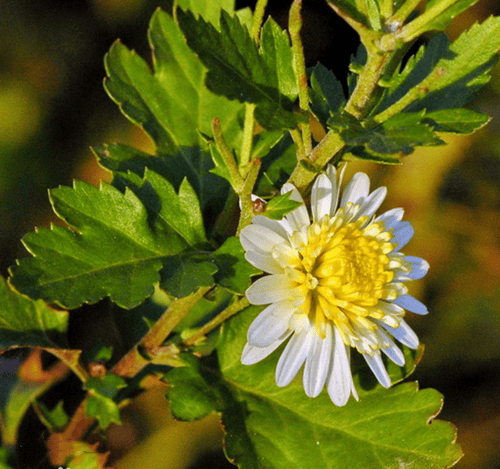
167	221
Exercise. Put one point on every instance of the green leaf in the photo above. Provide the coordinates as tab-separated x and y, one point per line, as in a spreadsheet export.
5	459
399	134
184	274
277	54
190	395
417	68
99	403
457	121
178	214
54	419
387	428
116	246
84	456
448	76
237	70
374	17
354	9
28	323
327	95
264	142
442	20
280	205
18	393
234	271
361	153
277	167
173	105
209	10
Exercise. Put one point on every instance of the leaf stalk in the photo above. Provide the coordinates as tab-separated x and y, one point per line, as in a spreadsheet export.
227	155
134	361
230	311
418	26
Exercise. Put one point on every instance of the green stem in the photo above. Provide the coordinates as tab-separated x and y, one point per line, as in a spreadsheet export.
419	25
230	311
135	360
365	94
407	8
227	155
246	195
68	357
299	65
258	16
246	147
331	144
299	144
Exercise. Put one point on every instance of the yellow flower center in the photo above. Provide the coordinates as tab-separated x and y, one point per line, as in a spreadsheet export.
342	271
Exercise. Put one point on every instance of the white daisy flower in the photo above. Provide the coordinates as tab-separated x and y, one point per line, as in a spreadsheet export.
335	283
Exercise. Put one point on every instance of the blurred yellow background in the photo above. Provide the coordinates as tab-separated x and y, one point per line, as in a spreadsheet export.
53	108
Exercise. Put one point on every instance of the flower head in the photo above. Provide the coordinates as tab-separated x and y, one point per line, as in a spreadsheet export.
335	283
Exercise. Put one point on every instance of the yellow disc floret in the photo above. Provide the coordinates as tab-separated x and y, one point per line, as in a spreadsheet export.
342	271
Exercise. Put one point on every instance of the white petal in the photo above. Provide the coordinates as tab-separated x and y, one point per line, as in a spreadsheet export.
395	354
372	203
390	308
419	267
299	217
377	366
293	358
391	218
321	197
411	304
264	262
280	227
331	172
404	333
340	380
403	232
356	189
269	289
259	238
252	355
318	363
270	324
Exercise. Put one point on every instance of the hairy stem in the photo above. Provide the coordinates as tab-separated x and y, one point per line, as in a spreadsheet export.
258	16
302	176
299	65
246	147
246	195
365	94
